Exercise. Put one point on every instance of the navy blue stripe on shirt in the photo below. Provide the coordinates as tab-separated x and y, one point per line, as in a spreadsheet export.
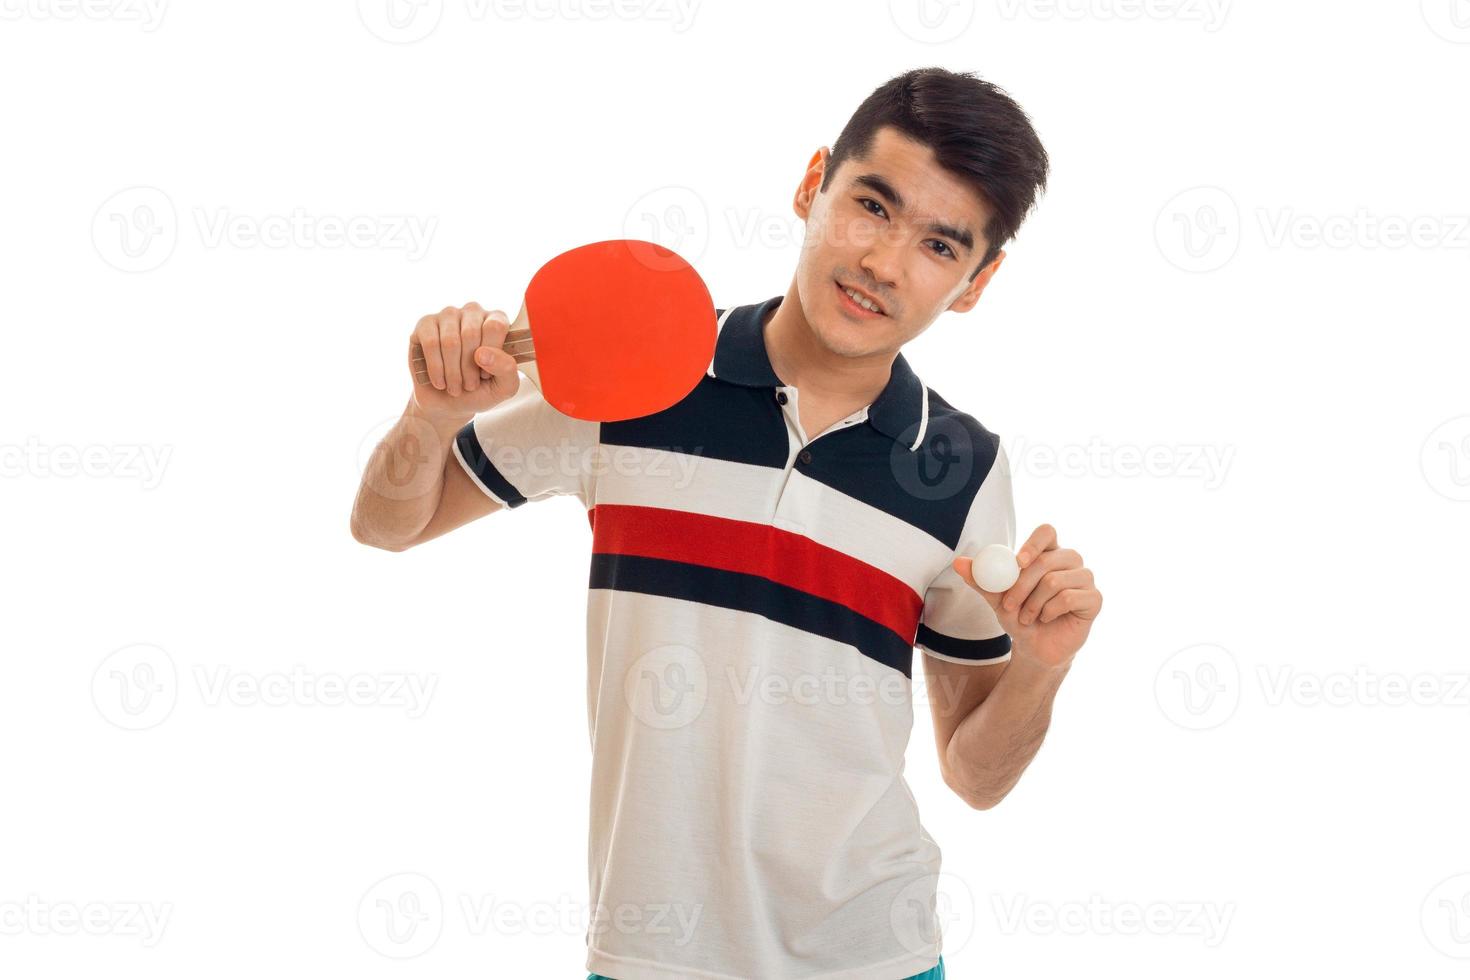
931	488
716	420
950	646
484	470
753	594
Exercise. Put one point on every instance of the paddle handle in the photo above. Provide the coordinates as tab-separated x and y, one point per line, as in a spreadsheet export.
517	343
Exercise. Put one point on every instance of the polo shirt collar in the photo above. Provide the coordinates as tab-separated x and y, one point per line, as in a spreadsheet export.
901	410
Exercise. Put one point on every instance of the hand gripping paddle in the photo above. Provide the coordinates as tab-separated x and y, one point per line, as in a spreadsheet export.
612	330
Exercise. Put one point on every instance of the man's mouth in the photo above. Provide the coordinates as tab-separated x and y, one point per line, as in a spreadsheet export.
860	301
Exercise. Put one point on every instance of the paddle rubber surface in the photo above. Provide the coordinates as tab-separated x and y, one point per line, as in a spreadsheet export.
622	329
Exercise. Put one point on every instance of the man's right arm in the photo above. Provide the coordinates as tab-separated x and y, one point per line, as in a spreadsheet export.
414	489
426	492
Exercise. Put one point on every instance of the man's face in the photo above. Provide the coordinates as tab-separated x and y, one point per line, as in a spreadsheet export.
897	227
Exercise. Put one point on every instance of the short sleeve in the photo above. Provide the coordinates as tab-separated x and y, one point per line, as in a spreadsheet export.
524	449
957	624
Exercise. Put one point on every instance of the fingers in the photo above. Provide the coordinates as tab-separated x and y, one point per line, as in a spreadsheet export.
1084	603
426	333
443	347
1031	576
499	373
492	337
493	361
449	350
471	316
1051	585
1043	539
965	568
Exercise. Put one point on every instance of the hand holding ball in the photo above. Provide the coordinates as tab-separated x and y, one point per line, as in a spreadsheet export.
995	568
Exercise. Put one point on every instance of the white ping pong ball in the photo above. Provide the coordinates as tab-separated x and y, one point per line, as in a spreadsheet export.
995	568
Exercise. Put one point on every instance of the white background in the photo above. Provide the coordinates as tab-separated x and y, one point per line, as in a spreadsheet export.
1265	730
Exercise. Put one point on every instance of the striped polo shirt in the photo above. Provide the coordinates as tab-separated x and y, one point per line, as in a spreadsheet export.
755	597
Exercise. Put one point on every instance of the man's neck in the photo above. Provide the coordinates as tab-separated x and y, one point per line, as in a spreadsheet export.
799	359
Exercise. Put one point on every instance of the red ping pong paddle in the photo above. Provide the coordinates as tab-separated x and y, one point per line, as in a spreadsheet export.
612	330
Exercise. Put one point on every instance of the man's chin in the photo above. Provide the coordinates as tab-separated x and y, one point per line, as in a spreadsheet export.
849	340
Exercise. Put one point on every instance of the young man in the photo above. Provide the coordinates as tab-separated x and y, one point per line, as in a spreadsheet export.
766	555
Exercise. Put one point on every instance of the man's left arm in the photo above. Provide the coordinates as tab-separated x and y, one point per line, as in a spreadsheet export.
992	726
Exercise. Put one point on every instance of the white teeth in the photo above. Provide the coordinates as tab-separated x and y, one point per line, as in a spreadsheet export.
860	301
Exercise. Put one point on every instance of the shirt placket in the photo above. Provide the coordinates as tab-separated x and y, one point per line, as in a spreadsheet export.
788	515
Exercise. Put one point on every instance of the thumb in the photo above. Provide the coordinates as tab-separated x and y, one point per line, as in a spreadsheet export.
498	372
495	360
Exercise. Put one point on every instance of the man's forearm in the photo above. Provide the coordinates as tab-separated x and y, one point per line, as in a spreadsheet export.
995	743
403	481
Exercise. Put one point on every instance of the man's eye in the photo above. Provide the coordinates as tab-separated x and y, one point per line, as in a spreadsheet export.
947	250
865	201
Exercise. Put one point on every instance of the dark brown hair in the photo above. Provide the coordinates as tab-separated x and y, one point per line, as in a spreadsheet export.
976	131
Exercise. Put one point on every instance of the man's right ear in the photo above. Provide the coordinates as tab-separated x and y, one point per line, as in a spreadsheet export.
966	301
811	182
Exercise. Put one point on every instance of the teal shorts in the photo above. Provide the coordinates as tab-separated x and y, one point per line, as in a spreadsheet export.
937	973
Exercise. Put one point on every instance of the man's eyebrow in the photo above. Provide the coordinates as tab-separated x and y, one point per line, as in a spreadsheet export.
880	186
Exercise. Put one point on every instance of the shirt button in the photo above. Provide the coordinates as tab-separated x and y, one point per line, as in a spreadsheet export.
781	397
806	456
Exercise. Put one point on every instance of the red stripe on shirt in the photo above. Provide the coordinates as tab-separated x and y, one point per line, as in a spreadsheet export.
757	549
